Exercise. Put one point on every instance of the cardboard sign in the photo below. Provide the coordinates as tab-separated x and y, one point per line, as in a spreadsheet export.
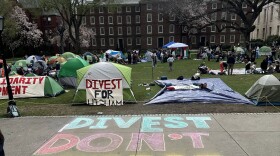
23	87
106	92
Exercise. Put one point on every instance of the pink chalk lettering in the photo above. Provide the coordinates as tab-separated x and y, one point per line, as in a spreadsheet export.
155	141
50	148
196	139
115	142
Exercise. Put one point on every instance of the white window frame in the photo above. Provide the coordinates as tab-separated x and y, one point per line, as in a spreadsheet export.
193	39
171	38
138	40
102	31
128	30
213	16
111	42
232	30
231	38
222	26
93	41
233	16
137	8
119	21
93	30
110	22
213	28
101	19
102	42
101	10
149	29
109	10
120	31
119	9
224	16
137	19
160	27
173	28
172	18
149	17
138	29
151	39
211	39
92	20
160	17
111	30
129	41
203	30
214	5
128	19
128	8
149	6
92	10
222	39
84	20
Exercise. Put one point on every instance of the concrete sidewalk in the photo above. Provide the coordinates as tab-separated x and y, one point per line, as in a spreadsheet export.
145	135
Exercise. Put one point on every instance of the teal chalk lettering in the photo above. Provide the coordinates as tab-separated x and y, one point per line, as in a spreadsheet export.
122	124
149	122
175	122
101	124
200	122
79	123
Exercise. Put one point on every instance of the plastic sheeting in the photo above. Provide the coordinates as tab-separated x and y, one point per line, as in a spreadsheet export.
217	92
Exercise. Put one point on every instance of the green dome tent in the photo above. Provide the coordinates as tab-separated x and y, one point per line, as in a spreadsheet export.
67	75
106	70
69	55
18	64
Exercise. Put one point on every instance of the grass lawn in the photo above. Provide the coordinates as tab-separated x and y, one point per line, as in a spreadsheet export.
142	73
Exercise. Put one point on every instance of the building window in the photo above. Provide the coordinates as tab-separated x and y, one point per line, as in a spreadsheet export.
102	41
149	41
102	31
270	31
93	42
271	14
138	41
232	39
278	30
160	17
233	16
92	10
84	22
264	16
111	42
119	19
149	6
241	39
138	29
92	20
223	27
171	38
137	8
120	32
93	30
213	28
129	41
203	29
160	29
244	5
119	9
128	9
101	20
213	17
111	30
128	19
128	30
149	17
171	28
149	29
263	34
101	10
224	16
160	7
258	33
193	39
137	18
109	10
212	39
222	39
214	5
110	19
231	29
172	18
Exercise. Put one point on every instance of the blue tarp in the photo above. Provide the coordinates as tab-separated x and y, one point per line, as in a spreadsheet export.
219	93
168	44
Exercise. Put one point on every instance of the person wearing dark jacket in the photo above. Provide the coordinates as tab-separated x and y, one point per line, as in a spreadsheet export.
2	139
264	65
230	62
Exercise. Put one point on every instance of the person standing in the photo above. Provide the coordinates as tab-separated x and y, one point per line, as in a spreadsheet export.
257	52
230	62
170	61
2	139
